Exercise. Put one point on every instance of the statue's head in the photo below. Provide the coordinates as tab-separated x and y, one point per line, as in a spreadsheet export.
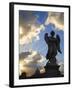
52	33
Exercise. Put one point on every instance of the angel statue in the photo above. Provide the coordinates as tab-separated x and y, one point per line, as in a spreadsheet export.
53	44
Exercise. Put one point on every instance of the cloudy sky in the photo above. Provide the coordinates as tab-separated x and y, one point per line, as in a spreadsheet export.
34	24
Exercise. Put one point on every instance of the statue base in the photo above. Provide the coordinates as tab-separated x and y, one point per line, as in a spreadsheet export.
52	70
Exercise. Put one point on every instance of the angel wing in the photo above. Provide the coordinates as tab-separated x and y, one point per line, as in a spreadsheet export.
58	43
58	38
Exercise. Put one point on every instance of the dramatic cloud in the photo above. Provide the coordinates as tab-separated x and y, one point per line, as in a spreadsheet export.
24	68
61	69
28	27
31	62
24	55
28	33
56	18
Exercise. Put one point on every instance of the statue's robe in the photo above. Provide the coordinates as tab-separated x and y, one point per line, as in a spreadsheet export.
52	47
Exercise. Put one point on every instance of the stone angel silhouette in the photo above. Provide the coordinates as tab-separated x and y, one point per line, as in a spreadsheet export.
53	44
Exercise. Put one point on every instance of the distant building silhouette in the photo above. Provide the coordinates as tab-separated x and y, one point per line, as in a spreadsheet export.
22	76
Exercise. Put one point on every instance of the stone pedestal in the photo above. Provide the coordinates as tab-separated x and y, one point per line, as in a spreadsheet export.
52	70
